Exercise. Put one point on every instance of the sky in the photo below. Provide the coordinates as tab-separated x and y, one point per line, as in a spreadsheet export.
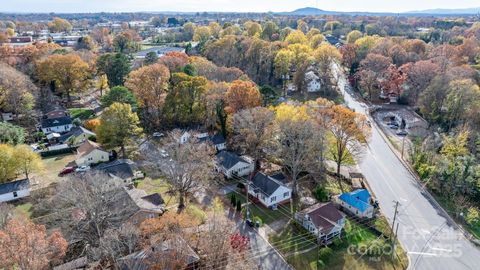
72	6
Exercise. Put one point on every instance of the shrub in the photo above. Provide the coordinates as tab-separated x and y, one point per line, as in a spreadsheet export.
473	216
197	213
135	183
92	138
320	194
324	254
257	218
92	124
239	206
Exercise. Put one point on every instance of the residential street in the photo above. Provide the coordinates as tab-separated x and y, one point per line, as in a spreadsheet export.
428	235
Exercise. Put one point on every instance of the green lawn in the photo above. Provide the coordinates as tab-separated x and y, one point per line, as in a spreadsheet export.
82	113
52	167
266	215
293	238
160	186
24	209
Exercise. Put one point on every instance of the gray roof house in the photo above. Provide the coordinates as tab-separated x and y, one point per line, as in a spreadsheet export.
76	135
14	190
60	125
231	164
269	191
121	168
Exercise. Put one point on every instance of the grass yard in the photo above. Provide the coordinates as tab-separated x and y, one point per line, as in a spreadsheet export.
82	113
160	186
301	253
266	215
52	167
24	209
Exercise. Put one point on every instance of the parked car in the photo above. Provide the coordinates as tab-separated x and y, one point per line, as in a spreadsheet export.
82	169
402	132
66	171
163	153
158	134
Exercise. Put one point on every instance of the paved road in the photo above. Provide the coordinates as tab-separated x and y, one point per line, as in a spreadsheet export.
430	238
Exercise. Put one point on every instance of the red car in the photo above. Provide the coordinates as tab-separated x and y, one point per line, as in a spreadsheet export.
66	171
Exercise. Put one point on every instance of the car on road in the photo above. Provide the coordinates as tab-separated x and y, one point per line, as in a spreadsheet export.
66	171
82	169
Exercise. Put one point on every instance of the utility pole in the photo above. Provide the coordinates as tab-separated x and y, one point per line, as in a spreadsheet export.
395	214
403	145
394	241
392	238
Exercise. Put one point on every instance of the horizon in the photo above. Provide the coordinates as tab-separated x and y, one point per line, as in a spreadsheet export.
225	6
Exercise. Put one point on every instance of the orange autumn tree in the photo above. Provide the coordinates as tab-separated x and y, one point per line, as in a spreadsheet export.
242	95
350	132
25	245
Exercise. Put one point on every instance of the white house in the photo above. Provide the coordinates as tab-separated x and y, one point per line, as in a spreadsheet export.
357	202
58	125
187	135
313	82
230	164
90	153
269	191
76	136
14	190
323	220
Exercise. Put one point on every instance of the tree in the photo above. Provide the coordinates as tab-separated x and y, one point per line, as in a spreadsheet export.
354	36
326	55
184	102
149	84
11	134
8	165
419	76
17	92
316	41
102	84
296	37
118	124
188	31
201	34
461	100
59	25
215	29
252	29
350	131
85	43
150	58
269	29
68	72
115	66
86	208
283	62
297	141
125	42
221	117
26	245
252	131
27	160
190	167
242	95
119	94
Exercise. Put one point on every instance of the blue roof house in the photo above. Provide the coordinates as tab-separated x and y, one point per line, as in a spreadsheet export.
357	203
14	190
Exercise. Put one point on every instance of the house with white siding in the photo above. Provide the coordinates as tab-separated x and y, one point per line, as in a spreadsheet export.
59	125
14	190
269	191
323	220
91	153
357	203
230	164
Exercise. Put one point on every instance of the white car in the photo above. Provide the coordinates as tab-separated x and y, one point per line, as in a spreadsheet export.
82	169
158	134
163	153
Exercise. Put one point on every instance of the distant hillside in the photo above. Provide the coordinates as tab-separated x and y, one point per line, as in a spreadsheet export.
310	11
440	11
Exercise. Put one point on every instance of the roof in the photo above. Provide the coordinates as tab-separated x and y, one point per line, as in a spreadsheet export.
359	199
123	168
87	147
280	177
55	122
75	131
140	260
217	139
159	50
153	202
54	107
229	159
324	216
14	186
267	185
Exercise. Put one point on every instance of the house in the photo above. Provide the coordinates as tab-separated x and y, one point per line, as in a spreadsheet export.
14	190
312	81
90	153
217	140
7	116
323	220
174	248
122	168
269	191
58	125
20	41
76	136
158	50
357	203
55	111
186	135
230	164
145	206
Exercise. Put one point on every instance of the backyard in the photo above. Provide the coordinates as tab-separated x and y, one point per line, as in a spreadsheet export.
158	185
52	167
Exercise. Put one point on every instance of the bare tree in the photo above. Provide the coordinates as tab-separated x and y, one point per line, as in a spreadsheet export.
252	131
118	242
86	207
298	145
188	168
